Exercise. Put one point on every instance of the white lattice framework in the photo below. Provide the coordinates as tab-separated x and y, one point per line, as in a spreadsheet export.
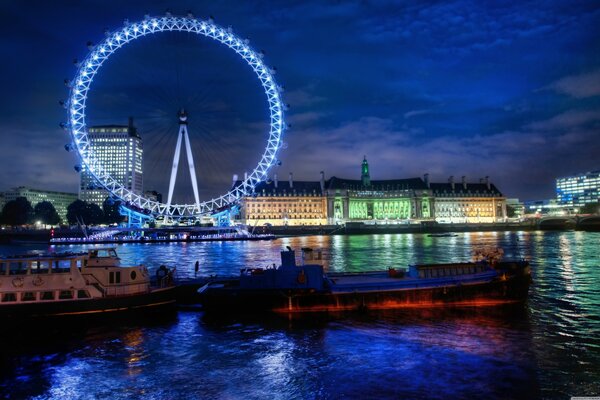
90	66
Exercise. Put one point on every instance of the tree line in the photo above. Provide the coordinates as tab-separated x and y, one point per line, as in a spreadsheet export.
20	212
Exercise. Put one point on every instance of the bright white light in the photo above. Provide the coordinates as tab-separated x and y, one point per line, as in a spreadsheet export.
183	24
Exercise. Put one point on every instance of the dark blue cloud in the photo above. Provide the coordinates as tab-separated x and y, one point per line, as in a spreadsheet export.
504	89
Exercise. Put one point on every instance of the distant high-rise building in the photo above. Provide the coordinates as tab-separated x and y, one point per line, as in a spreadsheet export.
60	200
119	150
578	190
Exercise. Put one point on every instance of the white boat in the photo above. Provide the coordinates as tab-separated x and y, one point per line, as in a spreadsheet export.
79	284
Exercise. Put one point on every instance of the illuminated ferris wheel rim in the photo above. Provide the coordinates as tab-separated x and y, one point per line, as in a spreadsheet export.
90	66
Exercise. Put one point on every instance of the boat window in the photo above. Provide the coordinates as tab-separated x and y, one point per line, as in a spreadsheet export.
47	295
78	263
28	296
61	266
83	294
3	268
118	277
39	267
103	253
133	275
6	297
17	268
65	294
111	277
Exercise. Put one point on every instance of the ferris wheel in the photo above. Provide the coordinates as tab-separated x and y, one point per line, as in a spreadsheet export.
99	54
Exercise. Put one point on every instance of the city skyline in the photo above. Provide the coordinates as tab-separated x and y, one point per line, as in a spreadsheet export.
510	92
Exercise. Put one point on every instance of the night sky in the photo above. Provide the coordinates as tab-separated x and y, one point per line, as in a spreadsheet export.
505	89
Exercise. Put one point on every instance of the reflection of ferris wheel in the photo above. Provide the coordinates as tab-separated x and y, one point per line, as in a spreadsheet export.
90	66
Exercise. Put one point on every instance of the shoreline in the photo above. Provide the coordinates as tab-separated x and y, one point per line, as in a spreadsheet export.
191	234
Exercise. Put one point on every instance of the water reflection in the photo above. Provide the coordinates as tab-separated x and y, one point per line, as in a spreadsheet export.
548	350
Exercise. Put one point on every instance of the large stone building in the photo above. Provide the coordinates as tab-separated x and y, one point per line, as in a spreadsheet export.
377	200
467	202
338	200
119	150
60	200
285	203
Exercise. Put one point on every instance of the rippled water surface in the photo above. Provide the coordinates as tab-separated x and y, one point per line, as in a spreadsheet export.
550	349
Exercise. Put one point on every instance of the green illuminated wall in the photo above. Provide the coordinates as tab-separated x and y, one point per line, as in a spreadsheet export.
338	209
381	209
425	208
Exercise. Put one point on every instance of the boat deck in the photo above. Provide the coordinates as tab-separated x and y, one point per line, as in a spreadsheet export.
378	281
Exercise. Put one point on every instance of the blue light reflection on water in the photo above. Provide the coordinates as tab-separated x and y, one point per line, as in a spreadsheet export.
550	350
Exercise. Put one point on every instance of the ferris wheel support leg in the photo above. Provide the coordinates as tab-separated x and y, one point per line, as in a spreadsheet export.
174	170
192	168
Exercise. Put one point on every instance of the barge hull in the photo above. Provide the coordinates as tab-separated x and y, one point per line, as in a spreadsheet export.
496	292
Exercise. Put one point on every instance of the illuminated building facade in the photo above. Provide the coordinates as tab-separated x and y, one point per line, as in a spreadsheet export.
578	190
60	200
119	150
378	200
337	201
292	203
468	202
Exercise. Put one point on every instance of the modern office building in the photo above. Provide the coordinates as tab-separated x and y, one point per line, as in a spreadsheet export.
60	200
578	190
338	200
119	149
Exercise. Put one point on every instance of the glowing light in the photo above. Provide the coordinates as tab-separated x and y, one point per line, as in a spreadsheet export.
181	24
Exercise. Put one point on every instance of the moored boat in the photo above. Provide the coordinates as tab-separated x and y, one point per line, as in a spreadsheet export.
79	284
305	288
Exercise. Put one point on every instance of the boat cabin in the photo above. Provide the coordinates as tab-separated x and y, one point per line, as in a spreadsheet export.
103	258
69	276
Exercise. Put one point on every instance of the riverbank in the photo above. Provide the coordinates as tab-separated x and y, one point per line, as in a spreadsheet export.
206	234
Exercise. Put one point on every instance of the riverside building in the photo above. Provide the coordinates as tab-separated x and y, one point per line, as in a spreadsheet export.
290	203
119	149
60	200
578	190
393	201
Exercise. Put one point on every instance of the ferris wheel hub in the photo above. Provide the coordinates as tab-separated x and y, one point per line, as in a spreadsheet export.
183	116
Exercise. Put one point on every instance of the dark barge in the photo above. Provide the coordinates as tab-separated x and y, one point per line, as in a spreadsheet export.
305	288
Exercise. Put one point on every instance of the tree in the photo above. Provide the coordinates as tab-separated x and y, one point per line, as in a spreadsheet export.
95	214
590	208
81	211
46	213
111	212
76	212
17	212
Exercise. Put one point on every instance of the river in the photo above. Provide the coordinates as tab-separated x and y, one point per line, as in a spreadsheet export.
550	349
